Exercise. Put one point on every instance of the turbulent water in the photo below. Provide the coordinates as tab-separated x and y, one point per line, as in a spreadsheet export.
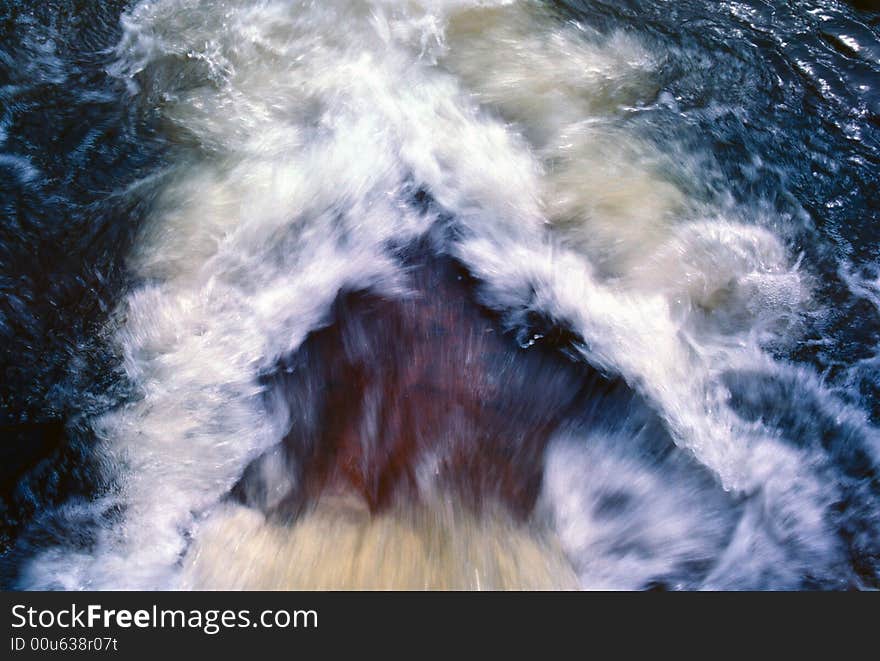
678	199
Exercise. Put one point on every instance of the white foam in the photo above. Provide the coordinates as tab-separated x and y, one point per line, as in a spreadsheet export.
308	125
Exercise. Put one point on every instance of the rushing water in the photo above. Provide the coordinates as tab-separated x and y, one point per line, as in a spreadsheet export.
669	210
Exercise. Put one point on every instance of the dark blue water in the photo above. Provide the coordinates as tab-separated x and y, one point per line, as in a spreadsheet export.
780	102
72	143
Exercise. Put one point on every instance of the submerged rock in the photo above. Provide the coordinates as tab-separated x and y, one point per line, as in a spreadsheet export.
418	397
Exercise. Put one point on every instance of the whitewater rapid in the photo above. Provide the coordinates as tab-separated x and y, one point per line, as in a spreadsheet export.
313	140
